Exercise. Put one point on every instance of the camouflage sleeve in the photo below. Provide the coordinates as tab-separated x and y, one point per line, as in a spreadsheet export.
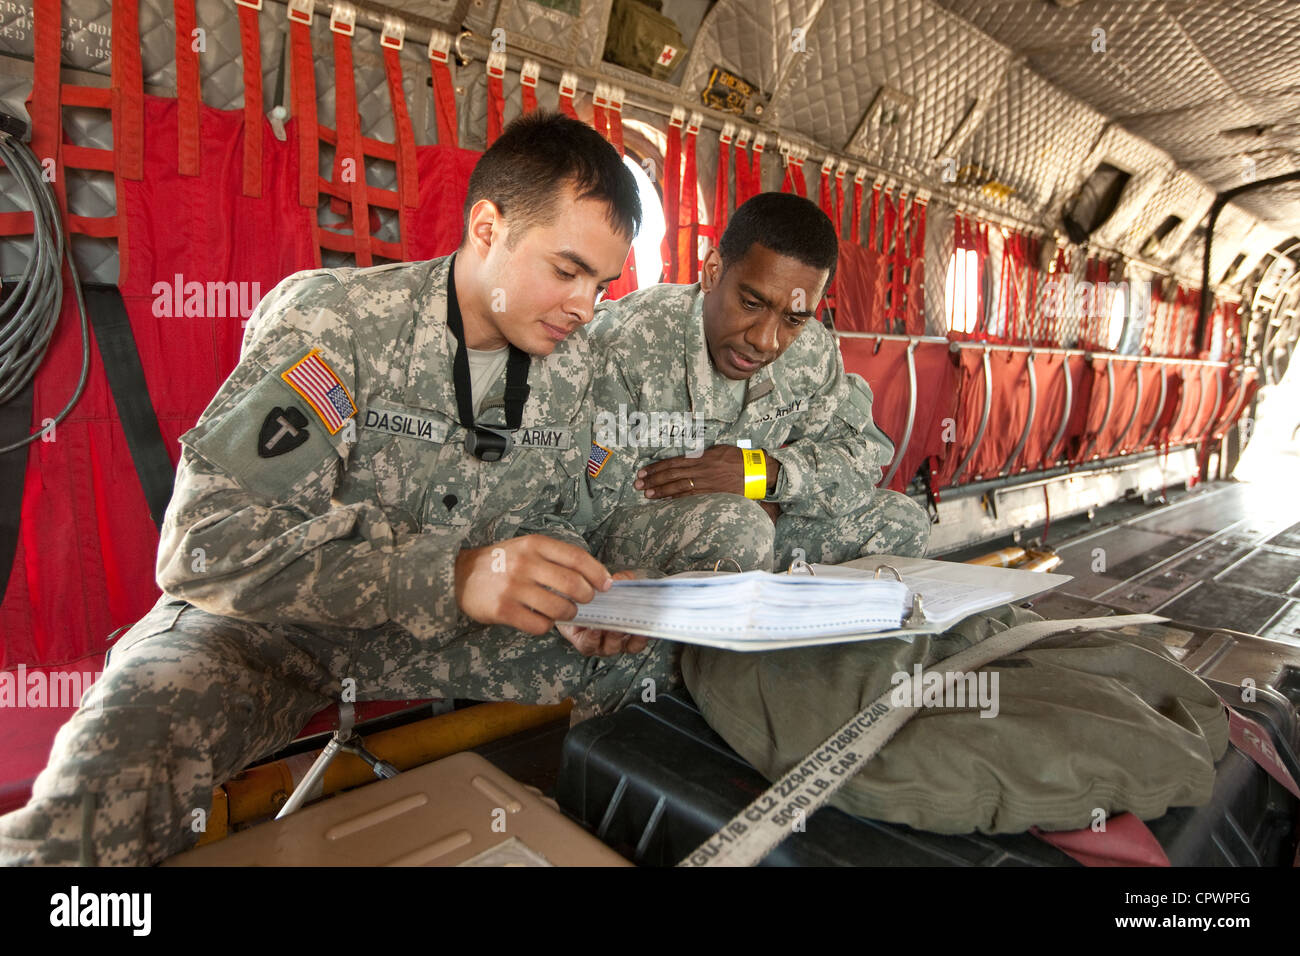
253	529
835	456
615	394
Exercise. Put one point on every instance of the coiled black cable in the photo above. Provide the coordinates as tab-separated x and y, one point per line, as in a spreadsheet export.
29	311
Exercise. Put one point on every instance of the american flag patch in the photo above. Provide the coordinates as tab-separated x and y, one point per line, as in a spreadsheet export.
596	460
315	381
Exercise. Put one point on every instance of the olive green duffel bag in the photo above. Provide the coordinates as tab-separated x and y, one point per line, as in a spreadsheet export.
1077	723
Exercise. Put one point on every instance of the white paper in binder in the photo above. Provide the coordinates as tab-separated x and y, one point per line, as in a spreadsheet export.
755	610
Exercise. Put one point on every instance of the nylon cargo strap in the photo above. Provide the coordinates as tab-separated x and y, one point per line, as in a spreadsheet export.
444	91
496	74
126	381
754	832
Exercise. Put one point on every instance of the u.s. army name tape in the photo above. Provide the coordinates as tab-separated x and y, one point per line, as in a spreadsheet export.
755	831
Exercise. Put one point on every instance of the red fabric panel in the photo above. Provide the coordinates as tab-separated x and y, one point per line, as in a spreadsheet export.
1173	408
69	591
251	52
1007	416
885	369
1050	371
1149	408
437	226
1213	385
187	87
824	195
1126	841
1244	389
969	406
1095	414
1109	441
26	734
859	298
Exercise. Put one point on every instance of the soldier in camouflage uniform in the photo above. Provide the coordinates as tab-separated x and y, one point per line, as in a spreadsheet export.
692	371
330	525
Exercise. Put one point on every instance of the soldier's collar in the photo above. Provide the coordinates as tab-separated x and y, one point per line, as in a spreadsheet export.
708	390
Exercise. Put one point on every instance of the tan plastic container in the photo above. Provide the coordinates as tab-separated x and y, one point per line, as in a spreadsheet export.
457	811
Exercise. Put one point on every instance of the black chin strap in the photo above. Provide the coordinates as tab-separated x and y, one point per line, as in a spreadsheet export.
487	443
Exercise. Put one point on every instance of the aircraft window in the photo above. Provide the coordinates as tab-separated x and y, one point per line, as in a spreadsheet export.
646	245
1095	201
961	291
1118	317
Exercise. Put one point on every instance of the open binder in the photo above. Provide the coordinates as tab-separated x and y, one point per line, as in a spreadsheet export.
870	598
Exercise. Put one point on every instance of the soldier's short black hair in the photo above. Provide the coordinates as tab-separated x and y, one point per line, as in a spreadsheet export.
787	224
524	172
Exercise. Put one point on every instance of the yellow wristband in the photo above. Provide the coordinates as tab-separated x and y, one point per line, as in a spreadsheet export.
755	473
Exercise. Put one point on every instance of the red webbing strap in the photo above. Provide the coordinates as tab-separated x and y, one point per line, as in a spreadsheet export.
720	184
348	125
304	108
672	188
128	96
528	75
187	88
688	235
599	104
873	216
568	90
408	188
444	93
855	219
15	223
837	202
615	116
824	193
741	154
800	184
787	181
982	255
901	250
496	114
250	50
45	102
756	166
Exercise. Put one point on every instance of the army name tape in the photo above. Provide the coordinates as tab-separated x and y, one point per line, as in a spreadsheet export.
760	827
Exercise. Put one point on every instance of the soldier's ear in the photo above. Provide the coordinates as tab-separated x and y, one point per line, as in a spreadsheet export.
486	226
711	270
